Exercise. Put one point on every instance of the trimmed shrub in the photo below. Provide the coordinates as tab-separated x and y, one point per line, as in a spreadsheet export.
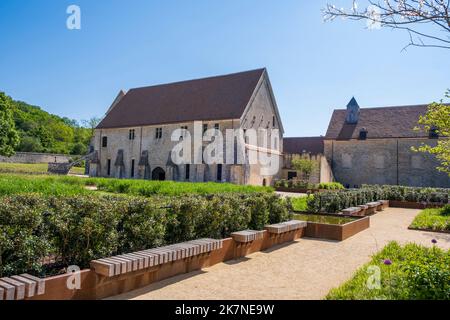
75	230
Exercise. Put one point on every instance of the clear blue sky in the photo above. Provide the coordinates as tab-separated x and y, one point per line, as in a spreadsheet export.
314	66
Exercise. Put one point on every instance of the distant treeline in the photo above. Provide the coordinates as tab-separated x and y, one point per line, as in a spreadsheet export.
40	131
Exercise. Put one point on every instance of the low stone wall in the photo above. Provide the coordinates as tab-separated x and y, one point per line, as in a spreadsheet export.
31	157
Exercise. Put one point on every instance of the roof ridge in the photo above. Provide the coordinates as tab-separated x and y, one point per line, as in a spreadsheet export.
390	107
200	79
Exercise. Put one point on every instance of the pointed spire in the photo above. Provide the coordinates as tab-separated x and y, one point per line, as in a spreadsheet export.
352	116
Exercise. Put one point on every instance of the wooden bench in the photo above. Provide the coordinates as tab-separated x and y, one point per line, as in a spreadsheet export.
21	287
373	207
385	204
284	227
126	263
247	236
353	211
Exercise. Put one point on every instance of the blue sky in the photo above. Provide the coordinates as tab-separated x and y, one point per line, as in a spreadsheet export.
314	67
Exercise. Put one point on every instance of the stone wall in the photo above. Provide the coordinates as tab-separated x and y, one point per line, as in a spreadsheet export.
259	114
31	157
384	161
321	174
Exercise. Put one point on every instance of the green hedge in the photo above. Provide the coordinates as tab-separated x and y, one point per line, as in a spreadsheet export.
75	230
332	201
307	185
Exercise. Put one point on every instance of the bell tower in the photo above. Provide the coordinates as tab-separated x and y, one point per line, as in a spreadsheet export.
352	116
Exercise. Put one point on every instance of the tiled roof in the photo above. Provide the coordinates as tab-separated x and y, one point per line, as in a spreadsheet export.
387	122
313	145
216	98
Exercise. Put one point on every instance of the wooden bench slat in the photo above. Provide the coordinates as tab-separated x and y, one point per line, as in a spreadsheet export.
19	287
9	290
40	283
30	285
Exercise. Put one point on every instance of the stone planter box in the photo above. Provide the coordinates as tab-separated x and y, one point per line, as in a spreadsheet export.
336	232
413	205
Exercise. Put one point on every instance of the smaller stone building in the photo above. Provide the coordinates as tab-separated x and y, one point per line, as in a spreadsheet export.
374	146
310	148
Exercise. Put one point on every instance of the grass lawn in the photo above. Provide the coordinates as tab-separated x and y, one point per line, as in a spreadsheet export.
70	185
409	272
322	219
148	188
34	168
433	219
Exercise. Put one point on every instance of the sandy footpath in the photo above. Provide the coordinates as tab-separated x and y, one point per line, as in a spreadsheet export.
305	269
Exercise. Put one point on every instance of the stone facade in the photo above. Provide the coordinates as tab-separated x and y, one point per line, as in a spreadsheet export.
384	161
148	154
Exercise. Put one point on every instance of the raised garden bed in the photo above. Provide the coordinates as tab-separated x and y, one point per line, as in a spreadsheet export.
333	227
299	190
414	205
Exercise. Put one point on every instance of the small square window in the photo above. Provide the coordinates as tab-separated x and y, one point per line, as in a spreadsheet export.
217	126
132	134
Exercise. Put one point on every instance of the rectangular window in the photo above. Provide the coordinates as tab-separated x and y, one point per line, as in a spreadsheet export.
104	142
158	133
273	121
132	168
132	134
205	128
109	167
188	171
219	172
217	126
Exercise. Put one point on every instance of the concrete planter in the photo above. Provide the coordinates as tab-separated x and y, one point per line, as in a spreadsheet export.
413	205
336	232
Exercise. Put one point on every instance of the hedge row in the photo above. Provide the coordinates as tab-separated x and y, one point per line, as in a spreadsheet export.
332	201
298	184
76	230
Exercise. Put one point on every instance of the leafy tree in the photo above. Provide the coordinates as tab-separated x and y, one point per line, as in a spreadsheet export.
437	121
9	138
304	165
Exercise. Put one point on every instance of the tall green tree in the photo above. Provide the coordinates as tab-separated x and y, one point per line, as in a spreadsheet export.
437	121
9	138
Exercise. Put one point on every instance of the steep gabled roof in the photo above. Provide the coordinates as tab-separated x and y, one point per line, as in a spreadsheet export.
216	98
386	122
313	145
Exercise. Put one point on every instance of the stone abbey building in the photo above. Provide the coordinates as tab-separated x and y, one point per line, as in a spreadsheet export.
361	146
134	140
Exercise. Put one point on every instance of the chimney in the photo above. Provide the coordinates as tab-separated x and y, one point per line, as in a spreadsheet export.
352	116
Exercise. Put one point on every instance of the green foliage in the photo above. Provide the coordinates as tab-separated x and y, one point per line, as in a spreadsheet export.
305	166
437	118
77	229
416	273
148	188
301	204
9	137
335	201
331	186
301	184
433	219
43	132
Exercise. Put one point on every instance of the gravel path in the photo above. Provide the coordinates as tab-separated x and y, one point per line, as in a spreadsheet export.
306	269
